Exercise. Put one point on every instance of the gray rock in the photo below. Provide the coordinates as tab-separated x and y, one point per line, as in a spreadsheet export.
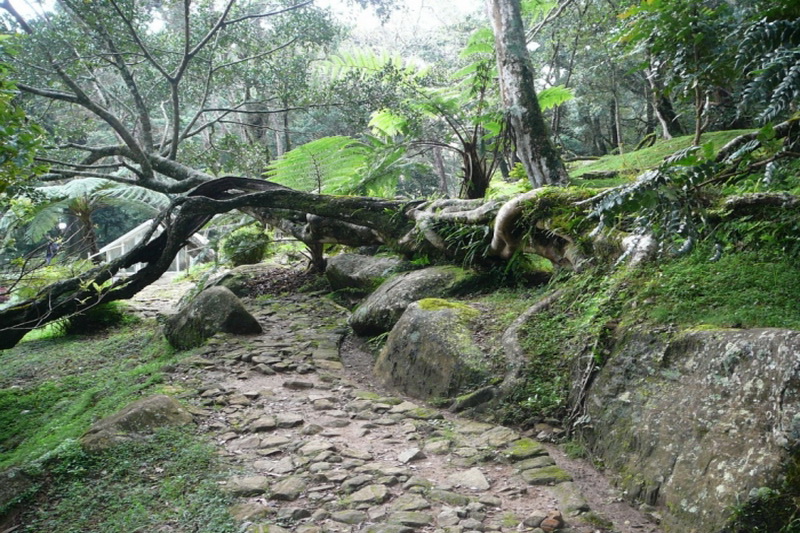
349	517
472	479
448	497
265	423
548	475
373	494
289	420
411	518
141	417
410	502
248	485
536	462
379	312
361	272
720	402
388	528
266	528
412	454
213	310
288	489
430	352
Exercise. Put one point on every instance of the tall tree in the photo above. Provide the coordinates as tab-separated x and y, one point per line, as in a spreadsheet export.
534	146
156	97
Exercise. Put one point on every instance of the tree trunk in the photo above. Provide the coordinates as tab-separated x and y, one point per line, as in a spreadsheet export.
534	146
662	106
438	163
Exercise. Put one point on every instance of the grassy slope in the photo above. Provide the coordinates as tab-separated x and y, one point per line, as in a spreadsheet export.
53	389
634	162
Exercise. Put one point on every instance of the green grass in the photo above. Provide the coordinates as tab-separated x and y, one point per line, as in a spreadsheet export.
168	479
632	163
742	290
53	390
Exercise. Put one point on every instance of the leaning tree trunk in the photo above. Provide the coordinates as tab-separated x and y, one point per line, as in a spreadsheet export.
534	146
406	226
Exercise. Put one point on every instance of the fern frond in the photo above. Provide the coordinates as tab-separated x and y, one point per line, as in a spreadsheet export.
326	164
554	96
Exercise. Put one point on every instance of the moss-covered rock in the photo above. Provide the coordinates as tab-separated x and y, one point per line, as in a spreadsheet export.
363	273
213	310
430	351
693	423
139	418
383	308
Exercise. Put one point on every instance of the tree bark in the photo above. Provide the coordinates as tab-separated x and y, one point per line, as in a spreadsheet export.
534	146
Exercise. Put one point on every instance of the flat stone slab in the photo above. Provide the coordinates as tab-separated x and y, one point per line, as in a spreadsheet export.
472	479
549	475
248	485
572	502
522	449
371	494
411	518
349	517
535	462
288	489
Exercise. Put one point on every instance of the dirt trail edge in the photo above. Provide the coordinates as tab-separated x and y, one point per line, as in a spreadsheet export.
322	448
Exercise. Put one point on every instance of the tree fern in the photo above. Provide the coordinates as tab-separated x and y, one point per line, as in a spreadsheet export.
78	195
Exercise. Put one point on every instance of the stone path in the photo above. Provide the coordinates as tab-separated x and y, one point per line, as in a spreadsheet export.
319	453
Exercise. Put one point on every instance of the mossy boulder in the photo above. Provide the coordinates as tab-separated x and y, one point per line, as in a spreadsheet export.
362	273
430	352
139	418
694	422
213	310
383	308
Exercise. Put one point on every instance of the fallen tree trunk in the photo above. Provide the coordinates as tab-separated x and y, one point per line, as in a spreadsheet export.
405	226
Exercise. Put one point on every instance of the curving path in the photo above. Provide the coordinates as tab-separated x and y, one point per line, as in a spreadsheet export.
320	451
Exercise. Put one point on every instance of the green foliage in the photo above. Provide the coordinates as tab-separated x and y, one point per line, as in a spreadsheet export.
770	55
324	165
19	138
554	96
27	282
767	511
664	201
246	246
100	318
634	162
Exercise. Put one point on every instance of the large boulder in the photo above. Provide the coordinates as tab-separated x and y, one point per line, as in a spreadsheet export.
381	310
430	352
213	310
139	418
361	272
240	279
696	423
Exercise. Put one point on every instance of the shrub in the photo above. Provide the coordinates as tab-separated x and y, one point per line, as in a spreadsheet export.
246	246
99	318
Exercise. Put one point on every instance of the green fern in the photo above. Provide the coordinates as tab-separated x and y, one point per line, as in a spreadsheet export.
328	165
554	96
79	195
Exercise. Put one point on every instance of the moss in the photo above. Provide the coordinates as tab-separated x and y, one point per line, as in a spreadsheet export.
438	304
